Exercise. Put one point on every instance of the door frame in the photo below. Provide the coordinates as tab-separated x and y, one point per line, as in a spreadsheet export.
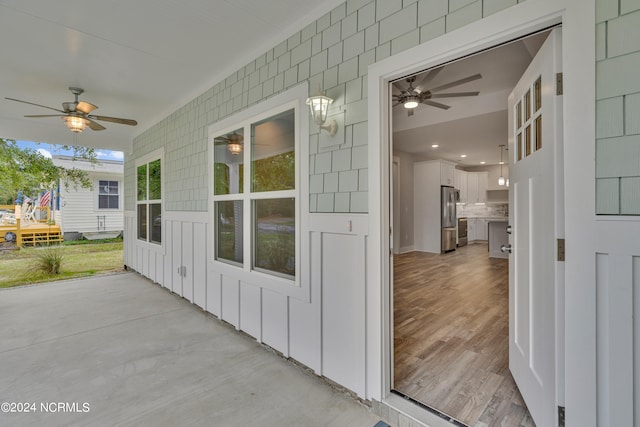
578	20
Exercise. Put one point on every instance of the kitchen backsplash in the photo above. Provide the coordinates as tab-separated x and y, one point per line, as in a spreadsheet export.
493	210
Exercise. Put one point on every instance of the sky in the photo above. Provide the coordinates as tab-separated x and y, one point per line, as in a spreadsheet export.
48	150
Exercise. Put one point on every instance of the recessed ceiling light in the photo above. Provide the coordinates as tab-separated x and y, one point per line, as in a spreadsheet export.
434	146
463	155
482	163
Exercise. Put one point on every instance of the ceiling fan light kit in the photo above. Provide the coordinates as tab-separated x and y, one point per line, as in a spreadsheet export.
412	96
75	124
76	115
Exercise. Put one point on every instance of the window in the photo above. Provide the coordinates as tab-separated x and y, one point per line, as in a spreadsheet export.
149	201
108	195
255	197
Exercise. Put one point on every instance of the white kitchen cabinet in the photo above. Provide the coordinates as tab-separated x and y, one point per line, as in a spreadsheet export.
472	187
481	229
460	182
483	181
472	225
447	173
477	187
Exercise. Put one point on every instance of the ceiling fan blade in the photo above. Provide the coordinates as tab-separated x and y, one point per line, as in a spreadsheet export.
45	115
94	125
454	95
436	104
37	105
457	82
431	74
398	86
129	122
396	104
85	107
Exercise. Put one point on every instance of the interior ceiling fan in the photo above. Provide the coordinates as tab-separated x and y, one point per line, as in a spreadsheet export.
76	114
233	141
411	96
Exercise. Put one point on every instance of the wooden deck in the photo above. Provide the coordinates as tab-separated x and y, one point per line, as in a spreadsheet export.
33	234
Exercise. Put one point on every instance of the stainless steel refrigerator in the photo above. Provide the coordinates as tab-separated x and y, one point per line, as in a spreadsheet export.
449	197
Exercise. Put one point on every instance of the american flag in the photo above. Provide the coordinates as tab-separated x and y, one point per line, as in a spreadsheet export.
45	198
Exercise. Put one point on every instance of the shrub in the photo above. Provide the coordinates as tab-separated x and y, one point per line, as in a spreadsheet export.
49	260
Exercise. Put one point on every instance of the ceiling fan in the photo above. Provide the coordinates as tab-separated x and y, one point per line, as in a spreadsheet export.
76	114
411	96
233	141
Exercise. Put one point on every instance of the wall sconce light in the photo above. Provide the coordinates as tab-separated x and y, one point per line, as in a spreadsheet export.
74	123
319	105
234	148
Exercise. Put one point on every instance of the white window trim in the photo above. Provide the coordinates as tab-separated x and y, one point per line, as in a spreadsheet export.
147	158
297	287
96	199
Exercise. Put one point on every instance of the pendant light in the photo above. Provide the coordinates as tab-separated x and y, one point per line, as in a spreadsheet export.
501	180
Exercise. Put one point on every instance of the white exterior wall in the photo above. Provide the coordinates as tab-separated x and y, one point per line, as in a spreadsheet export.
342	330
79	207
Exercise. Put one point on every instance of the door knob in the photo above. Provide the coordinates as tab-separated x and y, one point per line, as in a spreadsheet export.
505	249
509	229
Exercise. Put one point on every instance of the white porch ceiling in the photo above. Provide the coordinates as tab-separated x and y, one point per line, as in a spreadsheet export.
139	59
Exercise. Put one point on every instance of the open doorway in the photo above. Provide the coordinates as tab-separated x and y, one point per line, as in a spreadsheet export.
451	310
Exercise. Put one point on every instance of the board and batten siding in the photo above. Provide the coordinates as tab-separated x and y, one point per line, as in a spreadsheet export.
328	332
325	333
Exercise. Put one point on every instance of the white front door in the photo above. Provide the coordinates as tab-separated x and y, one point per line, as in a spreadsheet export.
535	216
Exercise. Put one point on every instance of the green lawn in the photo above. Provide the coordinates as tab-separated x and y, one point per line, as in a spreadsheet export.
17	267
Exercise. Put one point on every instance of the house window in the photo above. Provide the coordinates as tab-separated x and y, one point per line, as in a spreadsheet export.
255	199
108	195
149	201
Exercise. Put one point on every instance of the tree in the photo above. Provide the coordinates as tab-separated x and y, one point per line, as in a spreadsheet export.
29	171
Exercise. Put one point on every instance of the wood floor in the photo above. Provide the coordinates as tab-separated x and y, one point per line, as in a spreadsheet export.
451	336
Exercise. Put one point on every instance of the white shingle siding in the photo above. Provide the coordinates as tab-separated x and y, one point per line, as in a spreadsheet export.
618	107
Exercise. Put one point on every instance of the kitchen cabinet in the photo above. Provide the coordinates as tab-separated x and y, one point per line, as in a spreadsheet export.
472	225
477	187
477	229
481	229
460	182
447	173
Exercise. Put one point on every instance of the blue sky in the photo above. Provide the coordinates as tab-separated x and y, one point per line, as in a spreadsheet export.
48	150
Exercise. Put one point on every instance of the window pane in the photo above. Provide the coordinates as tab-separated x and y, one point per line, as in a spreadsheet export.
103	202
142	222
229	230
228	163
142	182
103	187
113	187
537	90
273	153
155	211
154	180
539	133
275	235
527	106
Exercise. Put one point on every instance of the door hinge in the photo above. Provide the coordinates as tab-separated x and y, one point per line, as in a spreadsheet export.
559	83
560	249
560	416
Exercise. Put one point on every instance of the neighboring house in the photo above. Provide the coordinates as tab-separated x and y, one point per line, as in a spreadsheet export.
97	212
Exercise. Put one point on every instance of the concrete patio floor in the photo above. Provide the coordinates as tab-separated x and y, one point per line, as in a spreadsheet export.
120	350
